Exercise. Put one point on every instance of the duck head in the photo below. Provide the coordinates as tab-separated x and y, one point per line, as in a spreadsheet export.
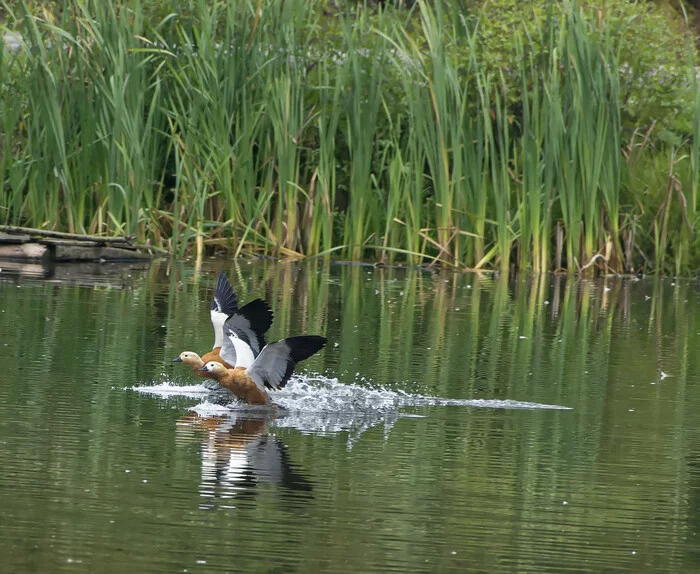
214	369
189	358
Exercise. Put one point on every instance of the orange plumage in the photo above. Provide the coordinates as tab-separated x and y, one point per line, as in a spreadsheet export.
240	384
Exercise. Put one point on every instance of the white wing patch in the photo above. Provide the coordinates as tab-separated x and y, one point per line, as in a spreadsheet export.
217	320
244	354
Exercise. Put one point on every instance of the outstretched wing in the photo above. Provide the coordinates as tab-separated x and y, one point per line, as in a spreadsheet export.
224	304
244	333
276	362
250	324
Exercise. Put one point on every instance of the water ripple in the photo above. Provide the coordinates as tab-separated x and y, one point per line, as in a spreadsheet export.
318	393
321	405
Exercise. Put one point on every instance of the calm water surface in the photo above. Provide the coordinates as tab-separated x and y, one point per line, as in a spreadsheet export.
422	439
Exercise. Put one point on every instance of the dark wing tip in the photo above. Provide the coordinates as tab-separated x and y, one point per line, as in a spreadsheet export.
225	300
301	348
279	359
259	315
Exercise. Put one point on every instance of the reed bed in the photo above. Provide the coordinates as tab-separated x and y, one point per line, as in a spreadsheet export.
267	127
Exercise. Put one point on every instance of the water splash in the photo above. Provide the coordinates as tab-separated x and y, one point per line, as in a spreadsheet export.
320	393
321	405
168	389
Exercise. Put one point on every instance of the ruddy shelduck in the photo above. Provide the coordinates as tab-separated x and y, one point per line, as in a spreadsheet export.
271	369
251	322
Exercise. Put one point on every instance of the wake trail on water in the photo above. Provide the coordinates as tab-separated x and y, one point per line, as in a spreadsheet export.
318	404
317	393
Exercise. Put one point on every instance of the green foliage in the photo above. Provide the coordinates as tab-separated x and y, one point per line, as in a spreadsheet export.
273	127
653	78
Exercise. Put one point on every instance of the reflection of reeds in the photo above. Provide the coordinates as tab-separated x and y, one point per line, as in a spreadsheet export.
395	325
595	350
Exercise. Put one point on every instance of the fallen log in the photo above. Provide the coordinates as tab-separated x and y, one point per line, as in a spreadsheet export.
12	229
27	243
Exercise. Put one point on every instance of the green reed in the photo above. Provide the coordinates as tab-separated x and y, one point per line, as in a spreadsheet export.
287	119
533	188
406	206
322	187
262	127
366	62
215	120
691	239
436	123
397	182
93	130
443	136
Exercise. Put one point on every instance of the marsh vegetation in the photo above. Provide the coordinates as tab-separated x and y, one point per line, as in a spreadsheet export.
534	135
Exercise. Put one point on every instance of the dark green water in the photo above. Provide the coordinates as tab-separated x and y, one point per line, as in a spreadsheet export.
391	458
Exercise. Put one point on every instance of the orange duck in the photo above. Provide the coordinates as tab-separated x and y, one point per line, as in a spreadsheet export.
251	322
252	375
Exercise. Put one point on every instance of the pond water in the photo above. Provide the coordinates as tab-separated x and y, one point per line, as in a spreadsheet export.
455	422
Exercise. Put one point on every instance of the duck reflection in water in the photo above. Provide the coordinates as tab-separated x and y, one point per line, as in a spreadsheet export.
238	454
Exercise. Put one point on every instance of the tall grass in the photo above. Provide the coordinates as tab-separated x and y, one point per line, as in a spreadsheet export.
366	62
322	186
266	127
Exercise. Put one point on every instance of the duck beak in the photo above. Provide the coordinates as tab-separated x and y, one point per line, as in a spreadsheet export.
204	369
177	360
